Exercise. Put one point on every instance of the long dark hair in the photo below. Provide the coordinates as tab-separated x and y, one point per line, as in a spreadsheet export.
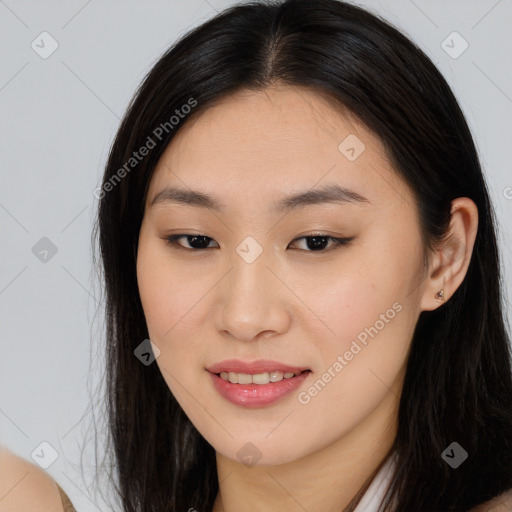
458	383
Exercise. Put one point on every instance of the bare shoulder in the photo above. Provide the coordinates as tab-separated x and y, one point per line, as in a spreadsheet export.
24	486
501	503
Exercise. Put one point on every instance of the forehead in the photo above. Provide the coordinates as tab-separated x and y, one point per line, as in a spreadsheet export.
262	144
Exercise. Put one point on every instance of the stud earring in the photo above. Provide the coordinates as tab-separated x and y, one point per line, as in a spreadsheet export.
440	295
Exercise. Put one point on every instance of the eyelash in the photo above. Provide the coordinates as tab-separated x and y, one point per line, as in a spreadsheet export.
172	241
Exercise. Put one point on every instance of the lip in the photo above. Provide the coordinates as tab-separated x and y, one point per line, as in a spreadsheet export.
254	367
257	395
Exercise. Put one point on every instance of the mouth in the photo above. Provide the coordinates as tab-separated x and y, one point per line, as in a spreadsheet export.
258	378
260	389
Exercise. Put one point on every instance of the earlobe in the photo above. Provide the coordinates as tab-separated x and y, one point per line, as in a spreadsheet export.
440	295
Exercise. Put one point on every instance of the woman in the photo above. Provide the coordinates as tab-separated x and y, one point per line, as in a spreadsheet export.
387	345
294	213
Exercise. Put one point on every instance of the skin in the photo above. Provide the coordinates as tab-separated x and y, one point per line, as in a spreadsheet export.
25	486
297	307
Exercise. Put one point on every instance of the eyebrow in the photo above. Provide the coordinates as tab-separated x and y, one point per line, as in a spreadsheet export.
332	193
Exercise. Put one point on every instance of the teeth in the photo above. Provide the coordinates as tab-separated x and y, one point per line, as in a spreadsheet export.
259	378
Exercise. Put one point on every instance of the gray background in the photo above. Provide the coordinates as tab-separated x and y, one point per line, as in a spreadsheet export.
57	120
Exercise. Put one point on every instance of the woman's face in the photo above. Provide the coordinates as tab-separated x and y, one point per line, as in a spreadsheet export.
252	288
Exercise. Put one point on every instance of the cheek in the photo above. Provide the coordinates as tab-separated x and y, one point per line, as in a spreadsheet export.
168	295
151	280
366	330
163	288
342	300
363	311
171	299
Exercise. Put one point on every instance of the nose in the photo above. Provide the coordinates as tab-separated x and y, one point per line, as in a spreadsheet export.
252	302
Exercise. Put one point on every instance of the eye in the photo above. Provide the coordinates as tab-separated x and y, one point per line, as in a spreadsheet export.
315	242
198	242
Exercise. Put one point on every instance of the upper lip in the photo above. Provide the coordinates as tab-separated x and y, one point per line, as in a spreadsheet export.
254	367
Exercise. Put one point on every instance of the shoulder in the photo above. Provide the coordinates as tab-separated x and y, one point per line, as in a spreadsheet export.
24	486
501	503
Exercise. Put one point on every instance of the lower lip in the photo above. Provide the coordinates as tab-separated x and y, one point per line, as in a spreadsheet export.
257	395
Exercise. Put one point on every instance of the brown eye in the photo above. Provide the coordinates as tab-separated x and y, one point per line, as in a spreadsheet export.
196	242
316	242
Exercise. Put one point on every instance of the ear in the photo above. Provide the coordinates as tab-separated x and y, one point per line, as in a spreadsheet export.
450	261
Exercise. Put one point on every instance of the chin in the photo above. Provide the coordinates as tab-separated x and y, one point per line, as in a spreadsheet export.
261	452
